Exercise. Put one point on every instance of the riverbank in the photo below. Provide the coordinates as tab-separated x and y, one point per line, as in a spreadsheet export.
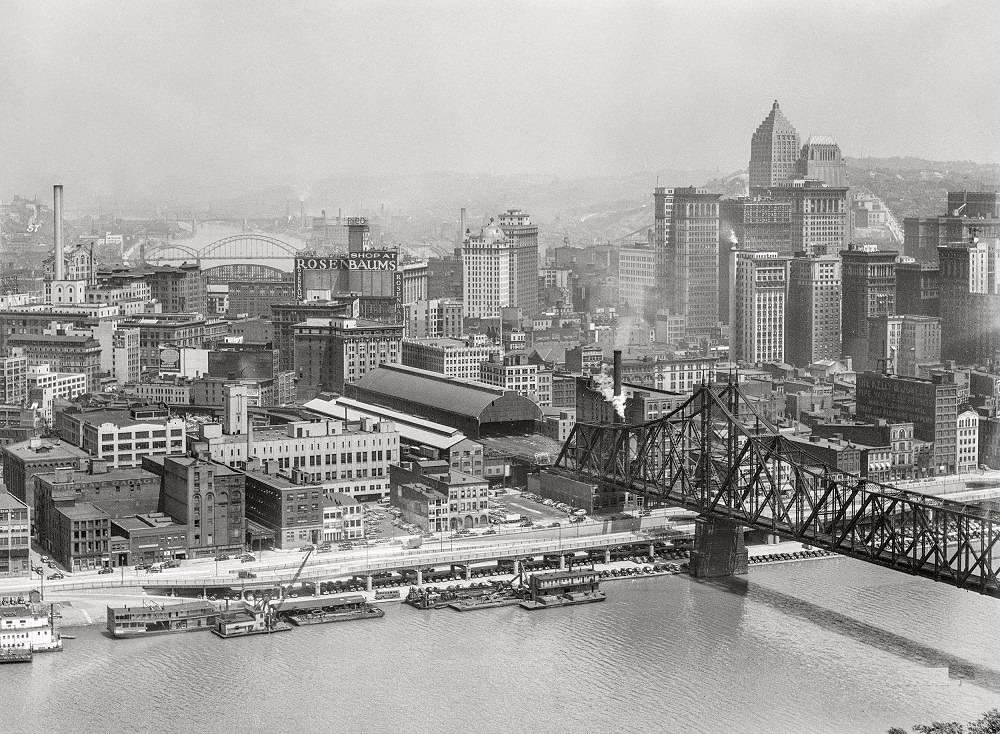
89	608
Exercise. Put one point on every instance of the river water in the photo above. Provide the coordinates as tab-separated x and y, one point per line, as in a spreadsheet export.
832	645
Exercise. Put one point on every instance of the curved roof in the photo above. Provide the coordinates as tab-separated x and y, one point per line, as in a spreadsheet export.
451	394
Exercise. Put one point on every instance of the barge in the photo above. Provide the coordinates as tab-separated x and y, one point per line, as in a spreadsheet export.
15	655
563	589
248	621
337	609
156	619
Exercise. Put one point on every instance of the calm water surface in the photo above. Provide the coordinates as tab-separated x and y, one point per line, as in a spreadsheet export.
821	646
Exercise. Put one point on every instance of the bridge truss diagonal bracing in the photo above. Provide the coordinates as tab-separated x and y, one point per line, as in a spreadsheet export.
239	248
716	455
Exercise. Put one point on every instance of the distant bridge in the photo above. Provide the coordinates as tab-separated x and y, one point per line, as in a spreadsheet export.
717	455
262	257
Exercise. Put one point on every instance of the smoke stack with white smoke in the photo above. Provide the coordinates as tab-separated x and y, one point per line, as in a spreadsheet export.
733	240
610	386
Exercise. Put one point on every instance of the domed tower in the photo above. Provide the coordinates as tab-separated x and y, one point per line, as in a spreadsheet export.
774	151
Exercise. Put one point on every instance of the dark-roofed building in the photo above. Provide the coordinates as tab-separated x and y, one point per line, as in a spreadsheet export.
472	407
22	461
80	536
119	492
16	529
206	496
148	538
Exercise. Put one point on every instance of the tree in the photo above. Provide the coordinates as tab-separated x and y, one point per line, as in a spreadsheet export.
988	723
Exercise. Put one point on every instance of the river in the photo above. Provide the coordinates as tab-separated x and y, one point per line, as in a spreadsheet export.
831	645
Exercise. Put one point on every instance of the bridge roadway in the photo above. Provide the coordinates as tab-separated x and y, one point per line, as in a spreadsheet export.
360	563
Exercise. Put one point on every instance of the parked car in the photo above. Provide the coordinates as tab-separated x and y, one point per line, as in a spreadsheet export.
141	567
106	569
45	559
222	557
50	564
172	564
247	558
56	575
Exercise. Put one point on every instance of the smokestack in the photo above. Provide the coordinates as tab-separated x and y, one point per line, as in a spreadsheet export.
461	226
57	221
302	213
618	371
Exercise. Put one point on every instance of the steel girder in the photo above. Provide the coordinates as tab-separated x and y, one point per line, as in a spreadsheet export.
715	454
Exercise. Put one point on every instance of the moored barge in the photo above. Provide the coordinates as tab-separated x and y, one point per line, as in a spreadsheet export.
562	589
156	619
337	609
248	621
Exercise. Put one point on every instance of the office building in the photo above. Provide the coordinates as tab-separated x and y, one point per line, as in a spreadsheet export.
500	267
821	160
917	288
13	380
63	353
434	318
45	386
686	248
637	278
15	537
774	151
812	320
819	221
123	437
968	441
758	321
23	460
869	290
332	352
902	344
969	214
352	458
180	289
451	357
931	405
969	288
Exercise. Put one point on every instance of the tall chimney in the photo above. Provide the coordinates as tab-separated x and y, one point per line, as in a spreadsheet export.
618	371
57	225
302	213
461	227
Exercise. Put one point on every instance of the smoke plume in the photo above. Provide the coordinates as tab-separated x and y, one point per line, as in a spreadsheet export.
605	384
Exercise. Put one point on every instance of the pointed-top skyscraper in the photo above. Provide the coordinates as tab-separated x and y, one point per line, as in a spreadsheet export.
774	151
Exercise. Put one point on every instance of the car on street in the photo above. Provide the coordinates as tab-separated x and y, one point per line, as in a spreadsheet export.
172	564
45	559
141	567
222	557
50	564
55	576
247	558
106	569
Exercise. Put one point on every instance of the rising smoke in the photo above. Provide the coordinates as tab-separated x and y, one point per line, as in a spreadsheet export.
606	385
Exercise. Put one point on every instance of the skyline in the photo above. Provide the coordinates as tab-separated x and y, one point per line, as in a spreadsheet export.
178	98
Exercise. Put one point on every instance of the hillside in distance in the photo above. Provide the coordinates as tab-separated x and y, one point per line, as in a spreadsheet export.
914	187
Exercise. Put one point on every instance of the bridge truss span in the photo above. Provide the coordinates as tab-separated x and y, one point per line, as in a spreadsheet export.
718	456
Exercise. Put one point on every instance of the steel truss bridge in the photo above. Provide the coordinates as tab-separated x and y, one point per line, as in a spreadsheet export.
717	455
247	256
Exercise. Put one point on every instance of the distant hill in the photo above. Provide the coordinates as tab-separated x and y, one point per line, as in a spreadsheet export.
913	187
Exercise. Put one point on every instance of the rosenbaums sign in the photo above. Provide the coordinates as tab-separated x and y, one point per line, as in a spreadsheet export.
366	260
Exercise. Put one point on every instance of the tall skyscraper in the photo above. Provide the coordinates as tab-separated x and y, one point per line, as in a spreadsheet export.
969	288
686	245
500	267
869	290
819	215
820	160
758	320
812	323
774	151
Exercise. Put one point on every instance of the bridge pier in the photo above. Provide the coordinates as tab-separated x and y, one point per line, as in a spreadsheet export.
420	577
607	555
719	549
562	562
368	583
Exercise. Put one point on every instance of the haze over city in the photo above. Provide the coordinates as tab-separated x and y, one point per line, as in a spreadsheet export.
185	98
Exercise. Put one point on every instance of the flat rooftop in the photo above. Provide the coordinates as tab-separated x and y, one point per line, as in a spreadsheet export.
46	450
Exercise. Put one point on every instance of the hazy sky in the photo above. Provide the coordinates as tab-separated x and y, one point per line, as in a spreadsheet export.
214	96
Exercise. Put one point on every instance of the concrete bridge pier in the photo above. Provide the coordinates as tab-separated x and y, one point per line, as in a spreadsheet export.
420	577
562	562
468	573
517	566
368	583
607	555
719	549
652	550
